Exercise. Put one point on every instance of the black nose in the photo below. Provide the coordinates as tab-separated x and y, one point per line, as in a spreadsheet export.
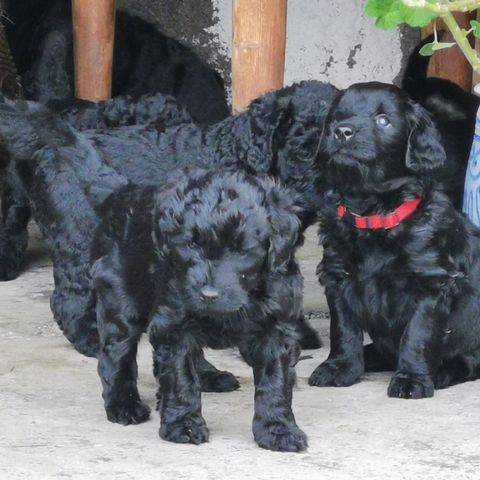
344	132
209	294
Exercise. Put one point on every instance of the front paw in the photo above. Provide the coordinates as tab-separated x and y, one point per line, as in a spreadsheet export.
409	385
192	429
132	411
280	437
217	381
336	373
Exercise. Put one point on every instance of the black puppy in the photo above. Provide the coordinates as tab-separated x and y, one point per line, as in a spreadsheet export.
277	135
399	261
145	60
206	260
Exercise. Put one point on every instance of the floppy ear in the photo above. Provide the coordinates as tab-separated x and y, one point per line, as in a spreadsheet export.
285	229
269	118
425	150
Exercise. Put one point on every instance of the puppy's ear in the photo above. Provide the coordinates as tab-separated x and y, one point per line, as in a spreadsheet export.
425	151
285	229
167	214
269	120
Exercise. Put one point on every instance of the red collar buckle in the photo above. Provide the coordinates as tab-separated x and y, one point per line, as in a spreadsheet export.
379	222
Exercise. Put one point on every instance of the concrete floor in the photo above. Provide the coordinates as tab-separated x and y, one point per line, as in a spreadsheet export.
52	423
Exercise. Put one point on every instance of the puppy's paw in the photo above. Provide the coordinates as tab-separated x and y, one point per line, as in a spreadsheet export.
217	381
132	411
409	385
335	373
192	429
281	437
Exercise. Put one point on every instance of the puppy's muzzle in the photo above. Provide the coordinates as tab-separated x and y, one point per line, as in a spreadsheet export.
344	132
209	294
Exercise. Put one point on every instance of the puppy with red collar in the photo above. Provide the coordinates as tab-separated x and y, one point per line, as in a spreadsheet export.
399	261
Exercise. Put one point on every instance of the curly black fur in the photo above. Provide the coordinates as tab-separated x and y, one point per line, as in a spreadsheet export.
145	60
278	135
414	288
454	112
205	260
163	110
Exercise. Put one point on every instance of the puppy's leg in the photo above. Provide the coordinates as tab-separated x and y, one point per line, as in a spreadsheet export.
273	359
420	350
212	379
345	363
308	337
179	384
13	231
120	330
73	301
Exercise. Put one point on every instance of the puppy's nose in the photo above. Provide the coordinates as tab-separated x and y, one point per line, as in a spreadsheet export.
209	294
344	132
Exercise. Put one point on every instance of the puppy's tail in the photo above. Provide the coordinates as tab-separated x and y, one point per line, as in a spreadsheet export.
417	66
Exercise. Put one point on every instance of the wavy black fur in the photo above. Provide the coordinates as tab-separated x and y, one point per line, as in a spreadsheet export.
277	135
415	288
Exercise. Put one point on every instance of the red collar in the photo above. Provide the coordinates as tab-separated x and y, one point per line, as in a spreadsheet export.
378	222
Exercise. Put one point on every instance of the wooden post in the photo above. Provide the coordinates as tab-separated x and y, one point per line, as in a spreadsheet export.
450	63
258	50
93	33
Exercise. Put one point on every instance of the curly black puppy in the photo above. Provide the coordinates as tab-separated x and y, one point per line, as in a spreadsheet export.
145	60
277	135
400	262
206	260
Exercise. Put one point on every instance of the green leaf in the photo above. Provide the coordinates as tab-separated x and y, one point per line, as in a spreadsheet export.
389	13
442	45
476	28
426	50
416	17
379	8
390	20
430	48
386	13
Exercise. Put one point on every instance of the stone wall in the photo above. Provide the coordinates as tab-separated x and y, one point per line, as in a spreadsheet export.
326	39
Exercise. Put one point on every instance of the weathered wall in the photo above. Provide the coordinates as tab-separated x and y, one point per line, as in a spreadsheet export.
326	39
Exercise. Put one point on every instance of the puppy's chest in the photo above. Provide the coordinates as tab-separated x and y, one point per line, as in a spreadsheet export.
378	280
221	331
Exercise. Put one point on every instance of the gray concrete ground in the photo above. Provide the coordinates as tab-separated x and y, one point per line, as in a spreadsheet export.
52	424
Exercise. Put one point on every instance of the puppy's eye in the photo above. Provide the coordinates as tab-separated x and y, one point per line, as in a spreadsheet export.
383	121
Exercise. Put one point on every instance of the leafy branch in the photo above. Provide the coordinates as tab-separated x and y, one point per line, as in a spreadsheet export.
419	13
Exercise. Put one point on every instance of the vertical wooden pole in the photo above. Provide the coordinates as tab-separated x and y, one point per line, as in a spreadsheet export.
93	34
258	50
450	63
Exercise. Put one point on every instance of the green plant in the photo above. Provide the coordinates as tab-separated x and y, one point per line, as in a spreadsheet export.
419	13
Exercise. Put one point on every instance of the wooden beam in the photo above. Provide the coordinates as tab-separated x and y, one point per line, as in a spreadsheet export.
450	63
93	33
258	56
